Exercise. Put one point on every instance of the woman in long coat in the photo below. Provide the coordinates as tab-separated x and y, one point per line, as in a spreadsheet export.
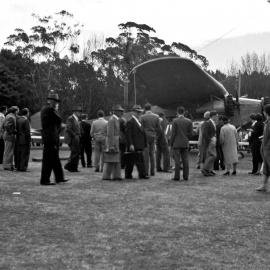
112	168
266	150
229	143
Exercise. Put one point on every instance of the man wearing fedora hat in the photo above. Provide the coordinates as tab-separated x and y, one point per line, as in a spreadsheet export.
136	143
72	138
51	127
112	165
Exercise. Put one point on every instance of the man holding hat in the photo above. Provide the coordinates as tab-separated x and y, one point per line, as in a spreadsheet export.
72	138
112	165
136	143
51	127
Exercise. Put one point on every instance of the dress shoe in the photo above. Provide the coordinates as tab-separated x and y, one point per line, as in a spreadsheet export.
175	179
167	171
9	169
198	167
152	174
129	177
47	184
257	174
107	179
226	174
97	170
89	166
206	173
62	181
185	179
72	170
234	173
261	189
144	177
251	172
117	179
159	170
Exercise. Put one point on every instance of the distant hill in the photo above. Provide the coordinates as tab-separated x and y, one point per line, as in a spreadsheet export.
221	53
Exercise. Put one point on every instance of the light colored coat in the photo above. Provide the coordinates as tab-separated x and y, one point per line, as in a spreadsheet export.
99	129
113	134
229	143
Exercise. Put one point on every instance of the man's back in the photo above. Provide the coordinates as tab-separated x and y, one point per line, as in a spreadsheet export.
151	123
23	131
181	132
99	129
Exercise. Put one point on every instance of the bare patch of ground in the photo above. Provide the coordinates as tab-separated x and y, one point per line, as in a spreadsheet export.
206	223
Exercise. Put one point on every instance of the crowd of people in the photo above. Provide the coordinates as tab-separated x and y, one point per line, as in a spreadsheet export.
141	138
15	138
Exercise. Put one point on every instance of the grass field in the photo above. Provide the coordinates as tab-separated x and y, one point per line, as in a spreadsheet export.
206	223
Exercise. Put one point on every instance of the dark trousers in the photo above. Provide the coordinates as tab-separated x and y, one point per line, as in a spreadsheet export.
72	164
51	162
2	148
181	154
134	158
149	155
219	162
122	147
86	148
256	155
22	153
164	155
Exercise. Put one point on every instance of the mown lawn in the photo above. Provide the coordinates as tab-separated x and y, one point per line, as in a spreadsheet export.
205	223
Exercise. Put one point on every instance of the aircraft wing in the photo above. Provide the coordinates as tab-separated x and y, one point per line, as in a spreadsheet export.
170	81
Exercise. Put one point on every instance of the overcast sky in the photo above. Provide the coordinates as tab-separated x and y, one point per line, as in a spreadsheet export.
195	23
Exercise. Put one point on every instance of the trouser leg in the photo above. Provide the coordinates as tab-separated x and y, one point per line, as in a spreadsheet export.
2	148
184	157
88	151
82	150
47	164
158	157
176	156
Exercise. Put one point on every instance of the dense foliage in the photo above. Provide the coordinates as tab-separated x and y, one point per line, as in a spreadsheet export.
49	57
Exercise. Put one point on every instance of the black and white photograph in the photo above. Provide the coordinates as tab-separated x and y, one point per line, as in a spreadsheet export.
134	135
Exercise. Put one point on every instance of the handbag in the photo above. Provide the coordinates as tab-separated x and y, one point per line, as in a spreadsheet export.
111	157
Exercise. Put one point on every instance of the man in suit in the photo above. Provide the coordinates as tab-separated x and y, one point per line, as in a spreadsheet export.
98	133
151	124
163	152
9	137
136	143
266	150
219	162
51	127
209	144
85	141
72	138
3	111
181	133
112	168
23	141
